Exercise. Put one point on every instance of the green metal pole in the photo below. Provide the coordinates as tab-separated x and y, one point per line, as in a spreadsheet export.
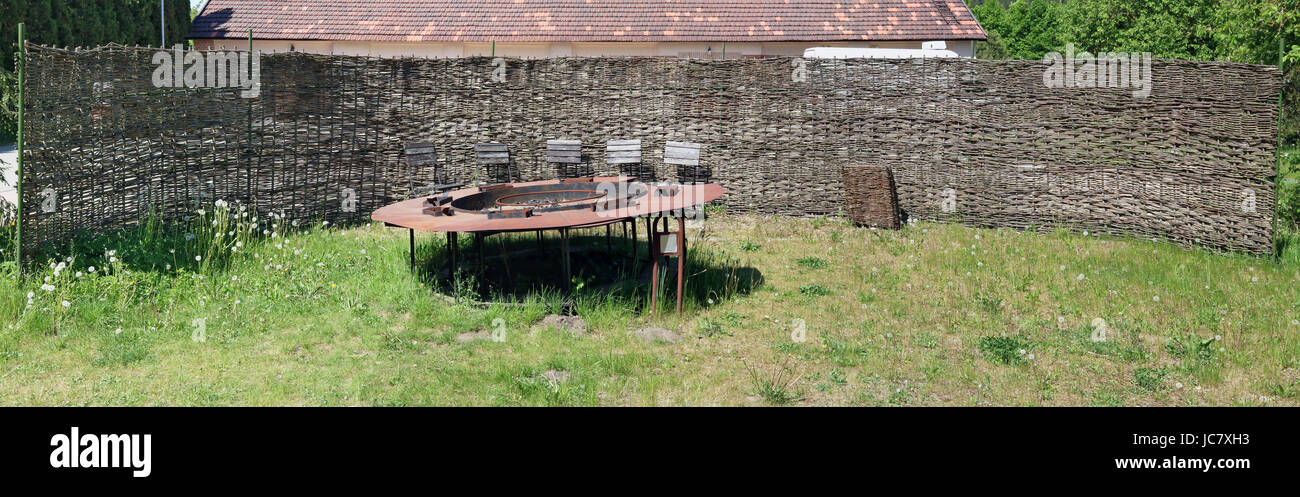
494	48
1277	172
18	216
724	50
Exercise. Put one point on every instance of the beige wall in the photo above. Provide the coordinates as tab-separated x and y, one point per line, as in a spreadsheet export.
563	49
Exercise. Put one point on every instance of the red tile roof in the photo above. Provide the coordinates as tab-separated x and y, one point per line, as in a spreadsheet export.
588	20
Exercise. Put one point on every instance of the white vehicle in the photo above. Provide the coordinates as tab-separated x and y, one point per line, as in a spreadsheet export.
928	50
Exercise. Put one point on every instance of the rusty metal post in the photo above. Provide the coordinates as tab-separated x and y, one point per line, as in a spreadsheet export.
478	248
649	237
681	260
564	256
505	258
654	271
452	242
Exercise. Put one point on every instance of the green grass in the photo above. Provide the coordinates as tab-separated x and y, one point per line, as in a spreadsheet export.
779	311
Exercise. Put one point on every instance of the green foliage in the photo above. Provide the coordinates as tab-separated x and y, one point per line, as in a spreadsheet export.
708	328
812	262
1023	30
814	290
79	23
1289	190
1231	30
1004	349
1150	379
1179	29
993	48
1188	346
775	387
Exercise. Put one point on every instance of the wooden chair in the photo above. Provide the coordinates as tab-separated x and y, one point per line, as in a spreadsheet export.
567	157
422	157
495	159
625	155
686	156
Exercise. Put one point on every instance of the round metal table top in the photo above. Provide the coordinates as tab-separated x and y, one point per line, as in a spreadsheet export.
427	214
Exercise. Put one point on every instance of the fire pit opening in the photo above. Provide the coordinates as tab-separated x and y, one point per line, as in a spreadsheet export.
559	196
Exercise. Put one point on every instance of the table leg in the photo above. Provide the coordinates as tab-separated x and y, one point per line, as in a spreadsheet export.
564	256
452	242
681	260
654	274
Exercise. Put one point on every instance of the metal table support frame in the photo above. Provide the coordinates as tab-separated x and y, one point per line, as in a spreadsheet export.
653	235
655	256
453	249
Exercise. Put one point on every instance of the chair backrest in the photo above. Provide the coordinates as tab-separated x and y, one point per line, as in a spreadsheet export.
626	156
686	156
623	152
421	155
495	159
564	151
567	157
422	162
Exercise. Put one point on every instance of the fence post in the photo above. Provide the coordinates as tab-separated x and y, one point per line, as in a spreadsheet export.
1277	170
18	214
253	196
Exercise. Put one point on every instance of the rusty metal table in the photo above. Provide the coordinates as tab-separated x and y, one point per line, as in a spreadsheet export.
551	205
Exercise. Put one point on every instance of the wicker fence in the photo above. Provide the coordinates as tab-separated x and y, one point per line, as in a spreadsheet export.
981	142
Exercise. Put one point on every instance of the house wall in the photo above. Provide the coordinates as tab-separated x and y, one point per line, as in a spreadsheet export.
701	50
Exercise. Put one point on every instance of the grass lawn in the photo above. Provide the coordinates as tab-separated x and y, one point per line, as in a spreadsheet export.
829	314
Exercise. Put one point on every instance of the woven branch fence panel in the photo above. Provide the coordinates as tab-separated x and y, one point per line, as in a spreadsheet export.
985	143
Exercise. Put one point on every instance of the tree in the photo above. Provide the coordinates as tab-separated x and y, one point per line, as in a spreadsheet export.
1179	29
1024	30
